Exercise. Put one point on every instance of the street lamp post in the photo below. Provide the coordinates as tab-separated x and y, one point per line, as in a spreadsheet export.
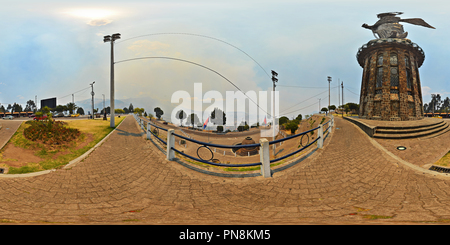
112	39
274	80
329	81
92	93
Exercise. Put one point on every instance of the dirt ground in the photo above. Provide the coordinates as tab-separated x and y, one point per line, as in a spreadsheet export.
226	155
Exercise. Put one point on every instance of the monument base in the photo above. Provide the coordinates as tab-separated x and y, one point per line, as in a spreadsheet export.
427	127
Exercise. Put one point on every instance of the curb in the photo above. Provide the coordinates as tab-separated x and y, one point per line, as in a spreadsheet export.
71	163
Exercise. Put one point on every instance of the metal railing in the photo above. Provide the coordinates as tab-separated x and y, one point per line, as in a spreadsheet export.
263	145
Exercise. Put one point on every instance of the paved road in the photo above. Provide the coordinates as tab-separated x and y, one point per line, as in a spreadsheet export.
128	180
7	130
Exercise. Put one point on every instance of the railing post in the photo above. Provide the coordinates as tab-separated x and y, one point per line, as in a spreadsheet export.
170	143
264	156
320	141
149	131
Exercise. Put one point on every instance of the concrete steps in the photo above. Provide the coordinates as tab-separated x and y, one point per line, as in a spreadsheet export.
428	131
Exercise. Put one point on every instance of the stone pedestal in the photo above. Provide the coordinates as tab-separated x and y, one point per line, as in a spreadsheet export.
390	87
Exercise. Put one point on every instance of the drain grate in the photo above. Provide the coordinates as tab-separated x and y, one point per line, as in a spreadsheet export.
440	169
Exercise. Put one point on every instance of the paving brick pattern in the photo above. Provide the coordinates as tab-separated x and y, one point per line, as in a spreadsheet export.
127	180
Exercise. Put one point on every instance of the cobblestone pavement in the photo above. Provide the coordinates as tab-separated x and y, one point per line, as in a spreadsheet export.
128	181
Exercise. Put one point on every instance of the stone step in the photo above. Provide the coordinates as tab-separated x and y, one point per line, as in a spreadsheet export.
411	126
437	133
431	132
409	130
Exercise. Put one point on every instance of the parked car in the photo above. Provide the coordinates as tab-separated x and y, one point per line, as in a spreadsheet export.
59	115
31	115
40	118
8	117
75	115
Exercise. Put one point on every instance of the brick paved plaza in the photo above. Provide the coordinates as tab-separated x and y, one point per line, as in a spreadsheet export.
127	180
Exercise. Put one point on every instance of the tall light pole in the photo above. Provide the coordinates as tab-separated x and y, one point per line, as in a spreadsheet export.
319	106
104	109
329	81
342	85
92	93
112	39
339	95
274	80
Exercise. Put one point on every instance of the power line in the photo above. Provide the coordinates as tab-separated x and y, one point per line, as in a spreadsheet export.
307	99
291	86
351	92
315	103
200	66
74	92
191	34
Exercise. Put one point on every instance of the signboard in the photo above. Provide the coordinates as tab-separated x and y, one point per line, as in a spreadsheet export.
51	103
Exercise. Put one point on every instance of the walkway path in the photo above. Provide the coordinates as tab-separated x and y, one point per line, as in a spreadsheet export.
127	179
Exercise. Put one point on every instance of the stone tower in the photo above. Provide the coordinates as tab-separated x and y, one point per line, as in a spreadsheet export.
390	86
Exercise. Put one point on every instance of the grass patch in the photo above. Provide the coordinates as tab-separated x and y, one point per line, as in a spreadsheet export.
444	161
97	128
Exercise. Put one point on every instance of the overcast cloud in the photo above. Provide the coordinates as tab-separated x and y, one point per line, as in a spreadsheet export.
55	48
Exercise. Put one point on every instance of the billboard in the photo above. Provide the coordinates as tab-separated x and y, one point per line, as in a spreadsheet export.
51	103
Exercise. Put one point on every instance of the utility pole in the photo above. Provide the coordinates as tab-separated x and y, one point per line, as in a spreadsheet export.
92	93
274	80
342	85
319	106
329	81
112	39
104	108
339	95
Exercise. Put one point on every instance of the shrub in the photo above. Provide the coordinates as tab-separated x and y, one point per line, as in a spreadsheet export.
50	132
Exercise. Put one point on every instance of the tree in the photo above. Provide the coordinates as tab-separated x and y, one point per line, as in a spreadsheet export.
221	117
139	111
292	125
31	106
181	115
193	119
324	109
158	112
119	111
299	117
125	110
2	109
282	120
46	111
9	108
131	108
17	108
72	107
332	107
80	111
107	109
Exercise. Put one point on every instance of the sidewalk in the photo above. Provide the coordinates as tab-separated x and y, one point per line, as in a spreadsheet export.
128	181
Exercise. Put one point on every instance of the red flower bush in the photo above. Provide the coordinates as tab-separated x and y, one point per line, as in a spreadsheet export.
50	132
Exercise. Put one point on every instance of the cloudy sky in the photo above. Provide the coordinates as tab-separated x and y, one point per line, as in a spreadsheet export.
56	49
